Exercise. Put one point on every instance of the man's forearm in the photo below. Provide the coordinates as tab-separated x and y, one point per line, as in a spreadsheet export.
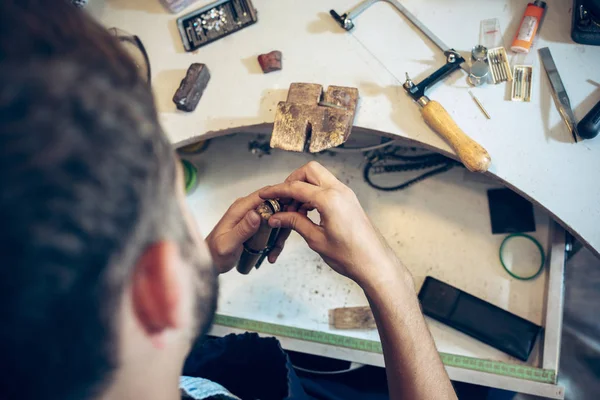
413	366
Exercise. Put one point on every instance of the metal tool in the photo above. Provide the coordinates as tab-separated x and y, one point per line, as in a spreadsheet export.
479	53
527	91
471	153
346	20
521	87
561	99
478	75
258	247
589	126
481	107
214	21
499	65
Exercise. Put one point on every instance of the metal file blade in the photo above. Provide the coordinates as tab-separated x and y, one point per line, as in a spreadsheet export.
419	25
563	104
347	23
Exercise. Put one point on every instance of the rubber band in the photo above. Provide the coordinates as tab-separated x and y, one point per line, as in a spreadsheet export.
537	244
190	175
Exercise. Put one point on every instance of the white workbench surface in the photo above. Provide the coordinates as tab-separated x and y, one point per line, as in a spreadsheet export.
530	147
438	227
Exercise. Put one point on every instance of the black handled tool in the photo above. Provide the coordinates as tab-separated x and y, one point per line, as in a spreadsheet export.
589	126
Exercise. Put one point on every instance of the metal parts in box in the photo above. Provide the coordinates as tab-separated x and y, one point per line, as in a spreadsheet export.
215	21
522	83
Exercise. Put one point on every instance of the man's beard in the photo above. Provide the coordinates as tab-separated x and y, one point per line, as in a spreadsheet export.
206	301
205	287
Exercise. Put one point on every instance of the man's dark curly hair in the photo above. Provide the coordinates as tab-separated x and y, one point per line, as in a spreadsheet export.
86	183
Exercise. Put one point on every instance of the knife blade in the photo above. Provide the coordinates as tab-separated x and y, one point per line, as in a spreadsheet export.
561	99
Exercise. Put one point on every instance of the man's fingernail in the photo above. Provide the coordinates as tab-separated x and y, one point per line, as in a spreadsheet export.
275	223
253	218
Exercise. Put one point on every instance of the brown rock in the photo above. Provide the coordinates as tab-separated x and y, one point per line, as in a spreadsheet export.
270	62
190	90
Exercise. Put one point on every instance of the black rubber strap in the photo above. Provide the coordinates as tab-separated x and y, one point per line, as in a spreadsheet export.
407	163
263	253
266	250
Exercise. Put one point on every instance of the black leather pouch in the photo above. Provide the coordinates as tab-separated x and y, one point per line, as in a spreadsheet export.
483	321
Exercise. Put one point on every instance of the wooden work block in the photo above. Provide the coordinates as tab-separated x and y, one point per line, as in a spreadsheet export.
190	90
353	318
312	119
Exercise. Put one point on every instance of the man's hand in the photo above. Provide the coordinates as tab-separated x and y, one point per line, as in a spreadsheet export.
345	238
239	223
350	244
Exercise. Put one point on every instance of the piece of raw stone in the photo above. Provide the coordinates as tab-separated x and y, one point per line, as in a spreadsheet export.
270	62
190	90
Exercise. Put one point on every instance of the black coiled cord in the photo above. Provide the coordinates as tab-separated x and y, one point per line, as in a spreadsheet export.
376	164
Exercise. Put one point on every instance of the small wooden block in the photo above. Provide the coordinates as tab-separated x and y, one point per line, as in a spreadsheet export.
190	90
301	118
353	318
270	62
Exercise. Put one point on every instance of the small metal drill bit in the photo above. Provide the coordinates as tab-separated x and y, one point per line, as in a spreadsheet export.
525	84
522	84
502	67
528	85
498	77
497	62
499	66
492	58
476	100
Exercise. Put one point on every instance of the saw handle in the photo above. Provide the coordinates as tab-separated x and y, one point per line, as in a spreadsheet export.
471	153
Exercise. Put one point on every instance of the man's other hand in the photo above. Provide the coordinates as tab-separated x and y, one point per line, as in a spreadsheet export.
239	223
345	237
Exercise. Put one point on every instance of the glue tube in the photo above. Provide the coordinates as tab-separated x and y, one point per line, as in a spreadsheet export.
530	24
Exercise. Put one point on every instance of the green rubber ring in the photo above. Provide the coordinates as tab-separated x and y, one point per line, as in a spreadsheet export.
190	174
538	245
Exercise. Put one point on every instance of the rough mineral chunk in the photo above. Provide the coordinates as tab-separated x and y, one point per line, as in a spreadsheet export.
270	62
190	90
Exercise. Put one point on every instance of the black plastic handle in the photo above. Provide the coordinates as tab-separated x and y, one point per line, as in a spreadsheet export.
589	126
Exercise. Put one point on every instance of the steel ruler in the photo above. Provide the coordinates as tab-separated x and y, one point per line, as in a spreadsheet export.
372	346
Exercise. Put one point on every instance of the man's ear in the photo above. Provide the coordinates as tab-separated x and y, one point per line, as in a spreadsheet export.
156	288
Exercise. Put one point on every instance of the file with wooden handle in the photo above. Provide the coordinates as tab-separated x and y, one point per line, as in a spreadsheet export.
470	153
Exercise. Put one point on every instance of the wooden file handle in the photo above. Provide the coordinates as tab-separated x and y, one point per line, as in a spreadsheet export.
472	155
